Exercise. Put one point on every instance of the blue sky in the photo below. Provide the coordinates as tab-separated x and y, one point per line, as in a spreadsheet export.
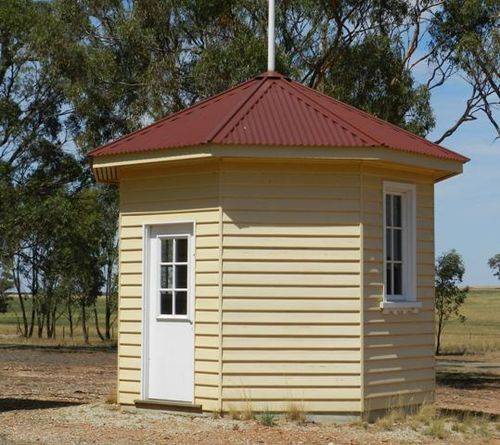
468	206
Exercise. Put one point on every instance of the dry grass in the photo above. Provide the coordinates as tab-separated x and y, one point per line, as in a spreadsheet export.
247	412
111	397
393	418
234	413
480	333
295	412
437	428
427	420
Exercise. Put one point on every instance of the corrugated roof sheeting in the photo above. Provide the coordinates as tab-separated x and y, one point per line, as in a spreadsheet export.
275	111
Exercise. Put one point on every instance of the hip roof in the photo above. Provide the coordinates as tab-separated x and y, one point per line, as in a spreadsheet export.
273	110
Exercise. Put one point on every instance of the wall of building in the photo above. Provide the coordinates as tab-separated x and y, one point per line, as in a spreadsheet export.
280	268
291	296
149	196
398	349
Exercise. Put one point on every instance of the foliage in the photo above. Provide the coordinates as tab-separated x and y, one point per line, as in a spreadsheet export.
128	63
450	297
494	263
267	418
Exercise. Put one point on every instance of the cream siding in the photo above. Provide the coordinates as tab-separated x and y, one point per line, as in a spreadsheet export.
291	276
284	252
398	349
160	196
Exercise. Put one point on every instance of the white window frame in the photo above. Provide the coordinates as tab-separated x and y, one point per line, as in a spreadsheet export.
409	244
173	290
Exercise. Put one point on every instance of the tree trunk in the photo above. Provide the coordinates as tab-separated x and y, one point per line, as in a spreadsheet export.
96	318
107	309
439	332
32	321
17	284
70	319
41	320
85	331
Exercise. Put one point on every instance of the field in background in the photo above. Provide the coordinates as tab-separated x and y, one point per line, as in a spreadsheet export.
479	334
9	331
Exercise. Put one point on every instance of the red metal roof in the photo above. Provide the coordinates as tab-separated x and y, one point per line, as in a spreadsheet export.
273	110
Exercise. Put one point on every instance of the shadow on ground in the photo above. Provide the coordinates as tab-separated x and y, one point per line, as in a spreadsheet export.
28	404
468	380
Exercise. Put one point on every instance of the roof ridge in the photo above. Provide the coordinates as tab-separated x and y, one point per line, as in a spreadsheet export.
170	116
337	117
234	112
245	108
381	121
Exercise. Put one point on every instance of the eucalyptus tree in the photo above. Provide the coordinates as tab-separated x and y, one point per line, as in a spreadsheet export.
450	295
129	62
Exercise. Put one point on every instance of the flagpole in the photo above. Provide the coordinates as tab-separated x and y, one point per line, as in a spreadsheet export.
270	37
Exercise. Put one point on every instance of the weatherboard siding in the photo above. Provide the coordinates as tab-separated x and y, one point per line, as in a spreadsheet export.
398	349
291	286
284	252
158	196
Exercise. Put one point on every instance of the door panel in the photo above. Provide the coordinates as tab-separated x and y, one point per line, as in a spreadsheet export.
170	313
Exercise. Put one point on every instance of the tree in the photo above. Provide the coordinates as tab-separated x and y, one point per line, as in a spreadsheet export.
127	63
450	270
494	263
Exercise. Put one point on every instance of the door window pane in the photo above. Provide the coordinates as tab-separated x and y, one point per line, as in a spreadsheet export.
388	244
388	279
181	277
398	279
397	248
166	303
388	210
181	303
181	250
167	276
396	214
167	248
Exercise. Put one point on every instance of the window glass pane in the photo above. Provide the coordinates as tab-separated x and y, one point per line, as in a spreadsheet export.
181	277
396	215
388	210
166	303
181	250
388	279
397	246
388	244
167	250
167	275
398	279
181	303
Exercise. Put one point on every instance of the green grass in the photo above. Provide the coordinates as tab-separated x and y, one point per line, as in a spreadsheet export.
9	329
480	333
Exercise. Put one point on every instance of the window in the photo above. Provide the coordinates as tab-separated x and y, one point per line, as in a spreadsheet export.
174	276
399	242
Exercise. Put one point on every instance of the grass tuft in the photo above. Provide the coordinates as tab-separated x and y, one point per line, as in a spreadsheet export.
437	428
247	412
234	413
295	412
111	398
267	418
391	419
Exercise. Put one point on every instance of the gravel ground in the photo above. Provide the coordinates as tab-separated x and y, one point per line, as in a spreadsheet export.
54	397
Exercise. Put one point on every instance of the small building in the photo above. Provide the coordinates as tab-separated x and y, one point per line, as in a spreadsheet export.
276	247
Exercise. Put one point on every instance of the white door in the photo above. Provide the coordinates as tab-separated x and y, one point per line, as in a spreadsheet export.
169	361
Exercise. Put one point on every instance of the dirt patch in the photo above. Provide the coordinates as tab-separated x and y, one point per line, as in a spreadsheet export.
50	375
469	382
59	397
